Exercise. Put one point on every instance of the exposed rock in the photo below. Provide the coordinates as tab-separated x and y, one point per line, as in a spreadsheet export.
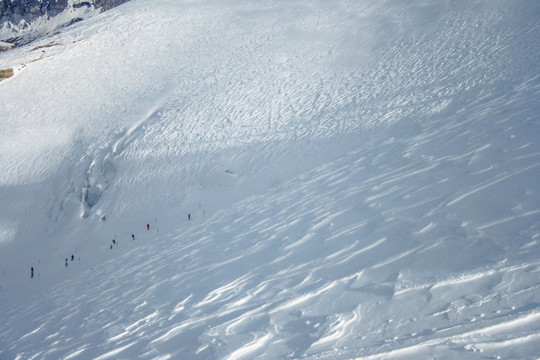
22	21
6	46
5	73
17	10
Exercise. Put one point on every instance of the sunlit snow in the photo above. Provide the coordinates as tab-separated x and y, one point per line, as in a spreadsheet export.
321	180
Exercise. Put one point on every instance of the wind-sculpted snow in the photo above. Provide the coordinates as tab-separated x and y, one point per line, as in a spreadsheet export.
361	181
373	255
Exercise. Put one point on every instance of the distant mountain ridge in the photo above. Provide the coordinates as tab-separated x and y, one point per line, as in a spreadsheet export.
17	10
28	10
22	21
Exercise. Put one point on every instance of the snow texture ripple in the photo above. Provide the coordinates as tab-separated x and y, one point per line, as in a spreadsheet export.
361	180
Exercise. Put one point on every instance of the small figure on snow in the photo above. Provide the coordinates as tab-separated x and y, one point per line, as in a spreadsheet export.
32	272
66	262
72	257
132	237
189	216
147	226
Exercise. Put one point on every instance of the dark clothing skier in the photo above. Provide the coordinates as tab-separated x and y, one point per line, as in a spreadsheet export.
32	272
147	226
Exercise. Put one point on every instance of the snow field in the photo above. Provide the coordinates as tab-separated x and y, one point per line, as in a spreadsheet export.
362	179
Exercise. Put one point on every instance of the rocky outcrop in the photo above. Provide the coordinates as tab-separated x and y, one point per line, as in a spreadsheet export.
5	73
27	10
23	21
18	10
5	46
108	4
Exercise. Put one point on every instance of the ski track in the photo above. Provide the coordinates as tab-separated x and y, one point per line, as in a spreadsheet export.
398	245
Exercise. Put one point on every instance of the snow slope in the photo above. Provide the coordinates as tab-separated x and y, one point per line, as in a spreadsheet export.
362	179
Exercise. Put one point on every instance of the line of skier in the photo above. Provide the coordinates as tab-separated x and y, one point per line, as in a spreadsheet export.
114	243
66	264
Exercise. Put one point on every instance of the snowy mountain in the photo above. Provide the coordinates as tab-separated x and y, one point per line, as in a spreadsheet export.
281	179
24	21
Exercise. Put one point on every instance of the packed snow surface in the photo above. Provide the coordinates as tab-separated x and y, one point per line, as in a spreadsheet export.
321	180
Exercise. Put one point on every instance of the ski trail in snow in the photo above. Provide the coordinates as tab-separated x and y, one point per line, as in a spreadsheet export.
491	183
508	219
136	130
102	169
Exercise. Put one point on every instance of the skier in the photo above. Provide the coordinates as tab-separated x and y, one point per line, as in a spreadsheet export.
189	216
32	272
132	237
72	257
147	226
66	262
